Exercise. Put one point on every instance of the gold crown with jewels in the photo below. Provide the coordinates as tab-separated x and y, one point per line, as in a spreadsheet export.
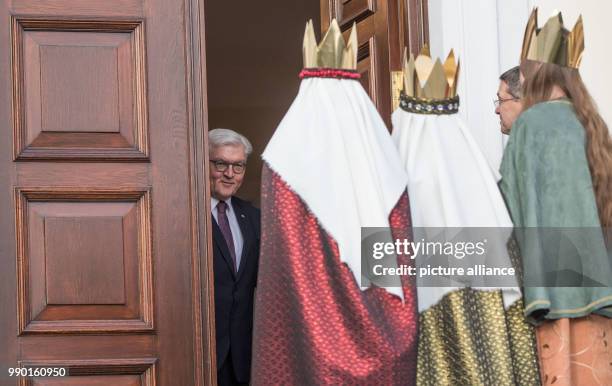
427	79
553	43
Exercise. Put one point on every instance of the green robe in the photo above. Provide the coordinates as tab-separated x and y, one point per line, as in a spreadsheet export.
548	188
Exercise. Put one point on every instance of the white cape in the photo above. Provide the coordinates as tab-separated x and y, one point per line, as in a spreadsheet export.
335	152
450	185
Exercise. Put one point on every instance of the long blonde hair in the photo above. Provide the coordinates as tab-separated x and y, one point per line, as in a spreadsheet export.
540	80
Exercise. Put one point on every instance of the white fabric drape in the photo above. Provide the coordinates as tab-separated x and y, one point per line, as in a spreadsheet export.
450	185
334	151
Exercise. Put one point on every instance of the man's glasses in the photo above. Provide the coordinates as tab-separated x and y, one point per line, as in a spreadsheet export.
222	166
498	102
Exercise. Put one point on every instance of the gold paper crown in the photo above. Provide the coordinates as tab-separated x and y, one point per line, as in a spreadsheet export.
332	52
553	43
429	80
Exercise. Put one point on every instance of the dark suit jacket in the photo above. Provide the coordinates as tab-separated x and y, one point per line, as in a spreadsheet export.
234	292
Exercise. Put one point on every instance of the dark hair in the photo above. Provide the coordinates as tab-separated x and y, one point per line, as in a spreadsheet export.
512	77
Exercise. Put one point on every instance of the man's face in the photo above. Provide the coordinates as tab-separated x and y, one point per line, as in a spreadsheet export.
225	184
508	109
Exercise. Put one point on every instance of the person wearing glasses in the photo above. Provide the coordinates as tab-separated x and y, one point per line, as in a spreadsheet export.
236	234
508	103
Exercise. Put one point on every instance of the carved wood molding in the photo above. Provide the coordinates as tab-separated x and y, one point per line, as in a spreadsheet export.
368	63
24	150
145	367
348	12
414	25
145	302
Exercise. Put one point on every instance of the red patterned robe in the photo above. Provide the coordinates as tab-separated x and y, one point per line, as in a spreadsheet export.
313	324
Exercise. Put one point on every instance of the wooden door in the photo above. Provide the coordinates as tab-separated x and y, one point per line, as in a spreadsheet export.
103	244
384	28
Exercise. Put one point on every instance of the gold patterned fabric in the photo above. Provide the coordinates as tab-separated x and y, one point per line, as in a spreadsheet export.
469	339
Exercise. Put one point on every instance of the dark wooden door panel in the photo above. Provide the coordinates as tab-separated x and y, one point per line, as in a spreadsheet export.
84	260
349	11
103	255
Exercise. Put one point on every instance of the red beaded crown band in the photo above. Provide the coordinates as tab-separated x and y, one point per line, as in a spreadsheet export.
329	73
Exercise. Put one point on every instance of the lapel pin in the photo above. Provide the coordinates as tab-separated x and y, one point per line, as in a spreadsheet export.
242	215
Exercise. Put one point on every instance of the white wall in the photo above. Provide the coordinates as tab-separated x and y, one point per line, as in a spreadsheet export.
487	36
595	68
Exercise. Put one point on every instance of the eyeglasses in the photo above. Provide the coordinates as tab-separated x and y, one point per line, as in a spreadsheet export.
498	102
221	166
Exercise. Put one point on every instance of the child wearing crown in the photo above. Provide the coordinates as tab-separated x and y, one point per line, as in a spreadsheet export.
557	183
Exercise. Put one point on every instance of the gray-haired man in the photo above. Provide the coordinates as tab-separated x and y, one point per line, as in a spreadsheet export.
236	234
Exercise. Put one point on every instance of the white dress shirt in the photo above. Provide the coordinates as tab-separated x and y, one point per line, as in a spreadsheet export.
234	226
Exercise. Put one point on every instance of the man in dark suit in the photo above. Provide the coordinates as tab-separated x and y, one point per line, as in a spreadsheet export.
236	234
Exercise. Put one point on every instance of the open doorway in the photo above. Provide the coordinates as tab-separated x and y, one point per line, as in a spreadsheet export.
254	55
253	58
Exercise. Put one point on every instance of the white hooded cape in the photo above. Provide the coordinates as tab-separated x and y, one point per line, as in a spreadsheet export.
450	185
335	152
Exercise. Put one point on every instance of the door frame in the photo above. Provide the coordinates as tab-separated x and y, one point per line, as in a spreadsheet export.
202	255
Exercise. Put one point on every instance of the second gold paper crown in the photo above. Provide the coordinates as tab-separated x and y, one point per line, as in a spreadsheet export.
429	80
